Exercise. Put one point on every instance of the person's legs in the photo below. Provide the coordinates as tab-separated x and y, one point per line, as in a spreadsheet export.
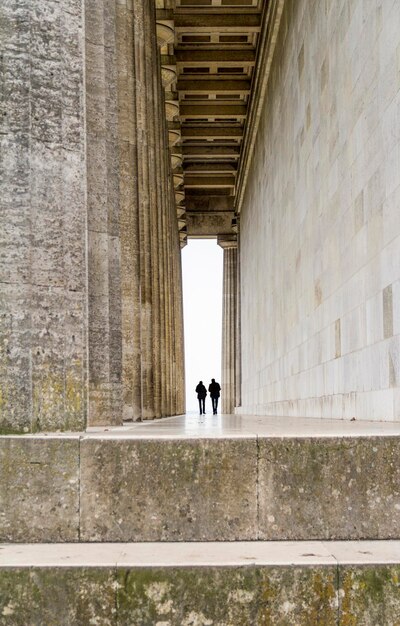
200	401
204	405
216	406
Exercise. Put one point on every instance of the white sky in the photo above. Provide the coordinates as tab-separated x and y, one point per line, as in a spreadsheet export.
202	301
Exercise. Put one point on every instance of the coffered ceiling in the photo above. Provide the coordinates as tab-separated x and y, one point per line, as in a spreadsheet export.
209	53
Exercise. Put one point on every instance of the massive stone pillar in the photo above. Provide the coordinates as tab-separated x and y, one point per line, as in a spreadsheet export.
142	49
103	216
238	345
229	329
129	215
43	286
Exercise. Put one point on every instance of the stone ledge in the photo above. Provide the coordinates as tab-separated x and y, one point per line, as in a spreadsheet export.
247	488
330	583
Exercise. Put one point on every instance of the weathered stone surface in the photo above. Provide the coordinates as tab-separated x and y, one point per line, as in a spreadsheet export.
184	596
39	489
43	216
329	488
219	596
104	245
369	595
170	490
67	596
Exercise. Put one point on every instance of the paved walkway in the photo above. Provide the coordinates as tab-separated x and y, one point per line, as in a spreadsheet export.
235	426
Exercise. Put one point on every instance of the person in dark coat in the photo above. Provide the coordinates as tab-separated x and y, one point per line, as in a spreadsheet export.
214	390
201	395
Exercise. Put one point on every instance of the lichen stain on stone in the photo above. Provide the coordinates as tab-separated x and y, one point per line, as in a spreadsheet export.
196	619
158	593
242	596
57	401
322	608
8	610
345	593
299	597
268	594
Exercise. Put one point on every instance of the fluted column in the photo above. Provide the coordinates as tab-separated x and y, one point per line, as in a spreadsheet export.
228	381
129	212
152	80
238	372
103	217
142	112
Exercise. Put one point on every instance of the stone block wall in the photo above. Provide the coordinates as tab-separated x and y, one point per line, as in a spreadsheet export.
320	224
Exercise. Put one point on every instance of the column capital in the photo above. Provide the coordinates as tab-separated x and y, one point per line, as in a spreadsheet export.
227	241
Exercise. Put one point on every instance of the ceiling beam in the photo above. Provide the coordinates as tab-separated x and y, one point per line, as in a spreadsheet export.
208	203
194	57
213	110
211	152
217	22
211	168
214	131
209	182
217	85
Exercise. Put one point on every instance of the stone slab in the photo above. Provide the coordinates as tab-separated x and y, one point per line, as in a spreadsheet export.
114	596
173	596
330	583
338	488
39	489
200	554
176	490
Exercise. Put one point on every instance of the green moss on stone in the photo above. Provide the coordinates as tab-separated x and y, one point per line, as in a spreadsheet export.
57	596
370	595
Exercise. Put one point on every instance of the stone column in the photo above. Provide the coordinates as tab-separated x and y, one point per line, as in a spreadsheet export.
228	381
43	287
103	218
142	111
152	80
238	372
129	215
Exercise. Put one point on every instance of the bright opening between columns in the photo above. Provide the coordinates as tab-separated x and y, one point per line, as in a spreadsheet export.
202	264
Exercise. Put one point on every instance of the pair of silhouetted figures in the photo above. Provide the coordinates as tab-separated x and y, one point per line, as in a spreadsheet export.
214	390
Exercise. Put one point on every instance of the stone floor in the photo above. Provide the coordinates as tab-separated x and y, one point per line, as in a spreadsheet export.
235	426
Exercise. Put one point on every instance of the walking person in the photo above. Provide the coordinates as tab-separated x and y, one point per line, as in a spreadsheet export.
201	395
214	390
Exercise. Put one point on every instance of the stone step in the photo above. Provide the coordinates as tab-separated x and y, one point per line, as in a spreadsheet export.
187	584
143	485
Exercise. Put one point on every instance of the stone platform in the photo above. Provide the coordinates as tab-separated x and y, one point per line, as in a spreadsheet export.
203	479
252	583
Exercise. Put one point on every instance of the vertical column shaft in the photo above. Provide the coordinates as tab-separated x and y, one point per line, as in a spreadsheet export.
141	49
102	162
43	287
238	347
129	215
229	311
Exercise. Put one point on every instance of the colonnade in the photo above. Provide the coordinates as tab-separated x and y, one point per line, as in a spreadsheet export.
92	325
152	338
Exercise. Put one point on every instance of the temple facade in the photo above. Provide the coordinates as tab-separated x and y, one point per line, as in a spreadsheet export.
128	127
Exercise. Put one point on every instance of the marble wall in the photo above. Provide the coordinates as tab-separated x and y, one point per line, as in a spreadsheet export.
320	224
